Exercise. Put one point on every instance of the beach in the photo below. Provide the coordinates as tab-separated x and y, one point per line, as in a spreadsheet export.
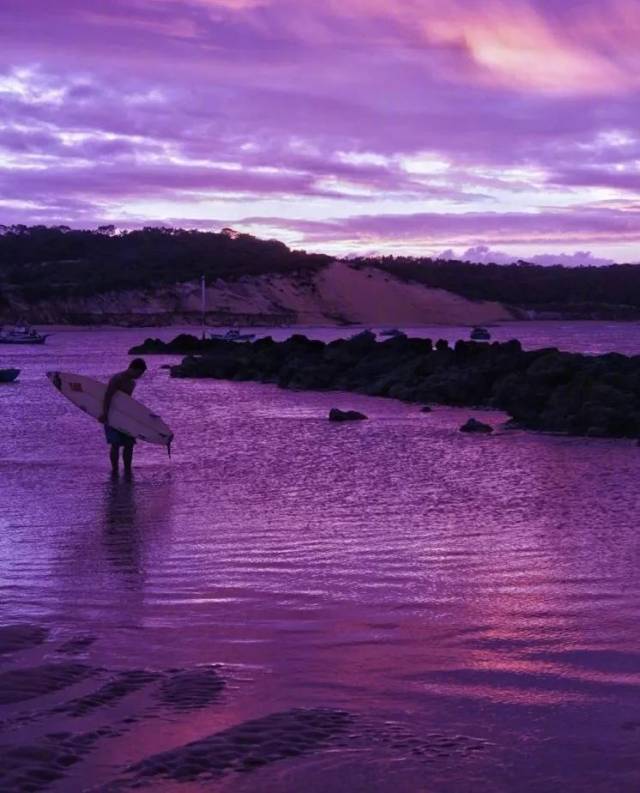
287	604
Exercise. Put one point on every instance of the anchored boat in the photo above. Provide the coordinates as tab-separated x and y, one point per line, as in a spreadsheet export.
480	334
233	335
8	375
22	334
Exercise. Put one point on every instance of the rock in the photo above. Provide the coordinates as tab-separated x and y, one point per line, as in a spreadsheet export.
426	409
512	424
544	390
335	414
476	426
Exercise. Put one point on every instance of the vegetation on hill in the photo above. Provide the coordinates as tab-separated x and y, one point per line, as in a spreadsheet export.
580	290
44	262
38	262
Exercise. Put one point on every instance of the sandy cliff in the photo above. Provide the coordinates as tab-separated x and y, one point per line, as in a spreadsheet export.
339	293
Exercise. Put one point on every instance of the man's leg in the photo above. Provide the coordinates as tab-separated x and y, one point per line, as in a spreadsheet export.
113	456
127	457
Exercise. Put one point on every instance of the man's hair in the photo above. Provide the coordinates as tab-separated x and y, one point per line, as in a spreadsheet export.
139	364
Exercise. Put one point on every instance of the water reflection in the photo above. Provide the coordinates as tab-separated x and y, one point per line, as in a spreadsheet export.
121	530
483	587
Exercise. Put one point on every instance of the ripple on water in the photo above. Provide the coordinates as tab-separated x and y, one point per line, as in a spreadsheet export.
491	588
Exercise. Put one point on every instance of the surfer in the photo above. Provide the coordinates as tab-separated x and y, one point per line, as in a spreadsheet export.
125	382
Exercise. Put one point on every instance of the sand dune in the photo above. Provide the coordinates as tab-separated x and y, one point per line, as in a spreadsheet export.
339	293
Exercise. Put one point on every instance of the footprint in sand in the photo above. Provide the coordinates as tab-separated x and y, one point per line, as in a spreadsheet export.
114	690
245	747
20	685
34	767
76	645
191	689
14	638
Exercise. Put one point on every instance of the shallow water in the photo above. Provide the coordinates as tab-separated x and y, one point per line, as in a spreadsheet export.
471	603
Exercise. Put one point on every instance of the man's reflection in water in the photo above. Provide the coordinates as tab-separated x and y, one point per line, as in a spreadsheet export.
122	527
136	515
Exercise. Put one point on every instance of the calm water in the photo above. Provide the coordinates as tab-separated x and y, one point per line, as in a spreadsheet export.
458	591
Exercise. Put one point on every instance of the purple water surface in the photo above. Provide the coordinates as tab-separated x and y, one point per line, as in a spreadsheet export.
417	577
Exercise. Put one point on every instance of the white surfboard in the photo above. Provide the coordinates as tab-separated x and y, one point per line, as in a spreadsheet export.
125	413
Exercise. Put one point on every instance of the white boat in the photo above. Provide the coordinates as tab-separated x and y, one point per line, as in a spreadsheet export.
232	335
480	334
22	334
8	375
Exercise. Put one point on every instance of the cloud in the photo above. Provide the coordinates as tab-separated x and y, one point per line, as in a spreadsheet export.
483	254
469	227
463	123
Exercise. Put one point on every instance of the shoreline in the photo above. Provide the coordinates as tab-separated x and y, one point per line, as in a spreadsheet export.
61	327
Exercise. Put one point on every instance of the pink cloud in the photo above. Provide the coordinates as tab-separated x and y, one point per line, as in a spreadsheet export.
471	227
526	104
483	254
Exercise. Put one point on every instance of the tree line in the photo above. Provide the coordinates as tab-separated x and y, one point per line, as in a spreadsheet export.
522	284
44	261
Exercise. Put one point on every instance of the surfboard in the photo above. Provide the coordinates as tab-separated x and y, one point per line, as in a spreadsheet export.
126	414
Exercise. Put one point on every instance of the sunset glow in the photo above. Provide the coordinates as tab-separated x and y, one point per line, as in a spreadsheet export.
359	126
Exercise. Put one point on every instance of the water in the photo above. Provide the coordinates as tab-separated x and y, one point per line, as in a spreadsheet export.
472	602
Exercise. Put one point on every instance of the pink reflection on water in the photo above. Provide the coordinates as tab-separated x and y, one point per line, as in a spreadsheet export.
396	569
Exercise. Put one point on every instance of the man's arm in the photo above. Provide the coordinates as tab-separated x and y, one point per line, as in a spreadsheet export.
108	396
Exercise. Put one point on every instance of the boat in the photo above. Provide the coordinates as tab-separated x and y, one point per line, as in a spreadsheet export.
363	334
232	335
392	332
22	334
8	375
480	334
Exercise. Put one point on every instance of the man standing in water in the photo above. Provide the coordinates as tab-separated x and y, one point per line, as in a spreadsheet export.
126	382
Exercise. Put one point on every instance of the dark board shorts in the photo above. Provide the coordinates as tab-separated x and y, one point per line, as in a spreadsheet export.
116	438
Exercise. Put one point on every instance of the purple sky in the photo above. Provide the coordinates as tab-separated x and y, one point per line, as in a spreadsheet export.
413	126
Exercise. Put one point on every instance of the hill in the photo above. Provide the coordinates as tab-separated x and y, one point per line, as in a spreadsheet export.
151	276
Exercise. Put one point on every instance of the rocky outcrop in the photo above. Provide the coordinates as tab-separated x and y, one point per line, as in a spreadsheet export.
543	389
475	426
335	414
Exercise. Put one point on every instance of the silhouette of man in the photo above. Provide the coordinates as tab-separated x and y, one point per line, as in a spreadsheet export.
125	382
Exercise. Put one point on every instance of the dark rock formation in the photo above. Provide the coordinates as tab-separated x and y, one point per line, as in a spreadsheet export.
473	425
184	344
543	389
335	414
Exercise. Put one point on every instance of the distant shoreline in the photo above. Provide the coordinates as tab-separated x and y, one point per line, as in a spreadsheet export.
193	327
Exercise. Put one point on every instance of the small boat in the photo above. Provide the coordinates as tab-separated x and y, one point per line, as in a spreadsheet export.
22	334
8	375
392	332
480	334
232	335
364	334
